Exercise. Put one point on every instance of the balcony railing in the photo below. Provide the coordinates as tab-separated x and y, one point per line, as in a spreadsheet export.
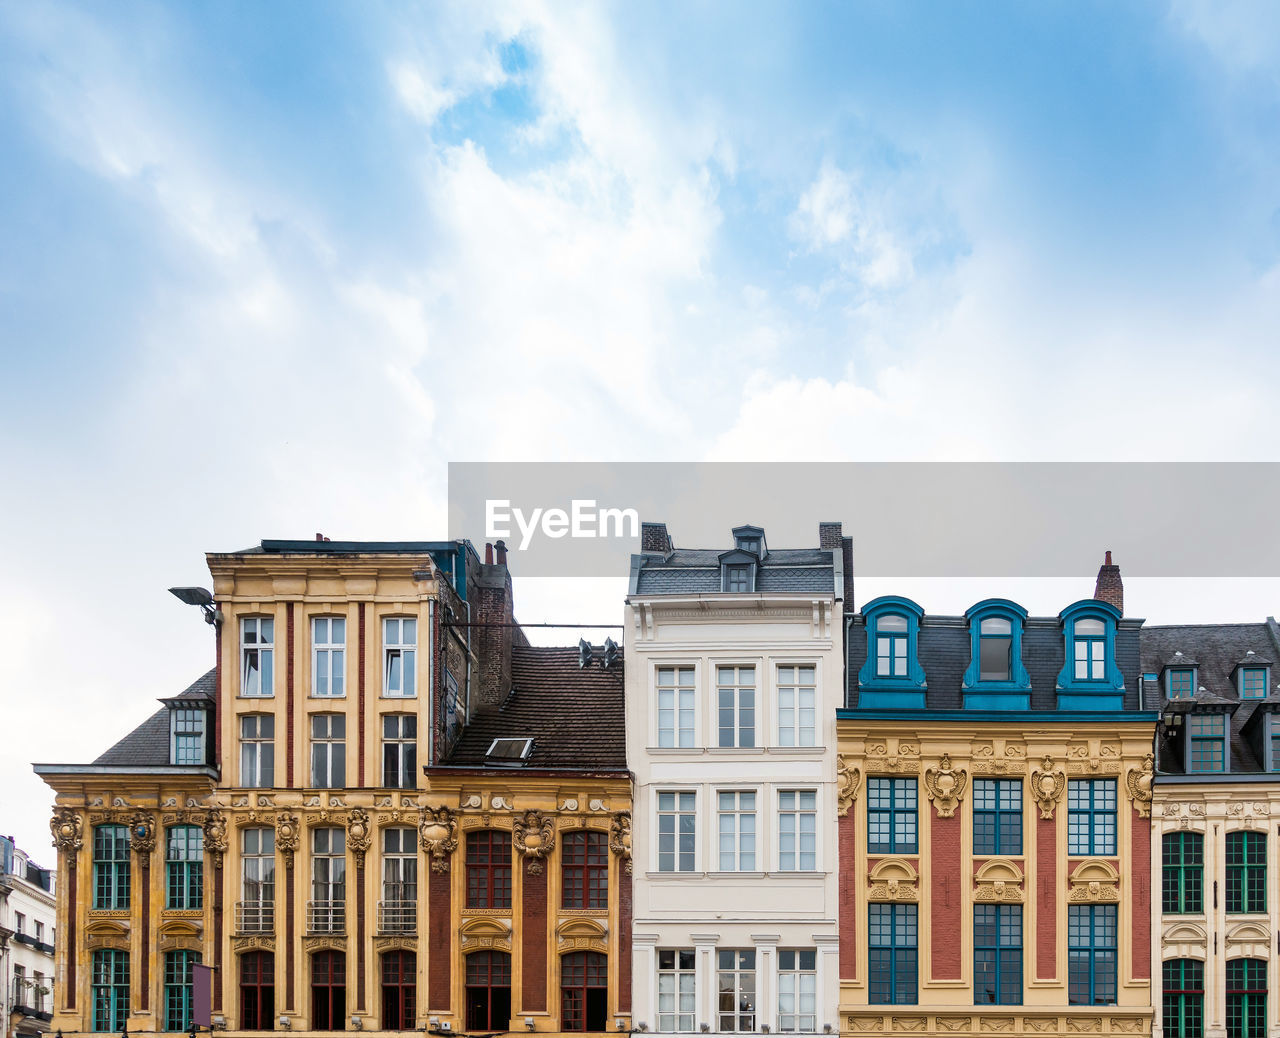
326	917
255	916
397	916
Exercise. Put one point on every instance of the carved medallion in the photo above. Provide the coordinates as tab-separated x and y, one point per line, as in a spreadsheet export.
534	836
620	838
438	829
1139	780
945	786
1047	785
849	779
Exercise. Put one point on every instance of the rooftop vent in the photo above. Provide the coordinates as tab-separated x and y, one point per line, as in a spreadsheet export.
509	752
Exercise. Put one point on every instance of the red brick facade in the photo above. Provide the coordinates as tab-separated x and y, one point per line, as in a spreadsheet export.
1046	898
947	897
1140	873
848	898
533	942
440	945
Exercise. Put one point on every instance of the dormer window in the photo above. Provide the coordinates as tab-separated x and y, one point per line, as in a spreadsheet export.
751	539
891	646
738	572
1253	683
1180	682
1090	650
892	675
995	649
1090	678
1206	742
186	736
751	544
738	579
996	678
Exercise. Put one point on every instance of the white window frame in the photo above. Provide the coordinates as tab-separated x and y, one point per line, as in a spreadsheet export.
328	657
265	650
736	973
682	736
798	814
330	742
796	731
796	975
399	867
188	715
331	855
395	646
266	889
252	777
676	1019
400	741
737	688
677	813
735	816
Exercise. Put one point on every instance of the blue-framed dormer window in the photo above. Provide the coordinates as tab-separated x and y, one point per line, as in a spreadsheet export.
1272	749
1090	679
996	678
738	572
749	538
892	675
1180	682
1252	682
1206	742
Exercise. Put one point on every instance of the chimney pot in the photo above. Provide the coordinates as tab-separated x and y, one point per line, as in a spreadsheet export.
319	537
654	538
1109	587
1108	562
500	549
488	554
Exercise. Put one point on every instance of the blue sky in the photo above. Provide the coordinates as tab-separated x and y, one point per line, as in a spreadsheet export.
266	268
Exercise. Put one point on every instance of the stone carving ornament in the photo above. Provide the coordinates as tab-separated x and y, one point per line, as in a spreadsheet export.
68	830
1047	785
439	832
142	834
534	836
620	838
1139	782
358	838
849	778
215	836
945	786
287	835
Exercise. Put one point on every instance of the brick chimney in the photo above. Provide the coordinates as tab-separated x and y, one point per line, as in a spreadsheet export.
1110	588
654	538
831	538
494	614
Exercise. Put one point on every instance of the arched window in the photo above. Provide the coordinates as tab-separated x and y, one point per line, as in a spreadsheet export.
996	678
399	990
489	869
1182	1014
1090	679
584	992
488	991
1246	998
328	991
892	675
257	991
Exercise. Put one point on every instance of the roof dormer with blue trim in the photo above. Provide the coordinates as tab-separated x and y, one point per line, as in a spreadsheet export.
892	676
1090	678
996	678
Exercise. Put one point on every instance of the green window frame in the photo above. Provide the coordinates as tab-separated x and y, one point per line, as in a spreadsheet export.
184	866
1246	998
111	866
178	989
1182	873
109	991
1092	952
1206	742
1246	872
1182	1011
1180	683
1253	682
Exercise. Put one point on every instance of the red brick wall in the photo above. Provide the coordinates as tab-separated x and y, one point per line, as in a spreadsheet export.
533	942
946	899
848	898
1140	878
440	953
1046	898
360	632
624	940
288	699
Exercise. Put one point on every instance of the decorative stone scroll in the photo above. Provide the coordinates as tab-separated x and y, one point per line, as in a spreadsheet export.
1094	880
904	760
287	835
438	829
620	838
1138	781
67	828
849	778
1047	786
945	786
358	837
998	880
893	879
215	836
534	836
142	834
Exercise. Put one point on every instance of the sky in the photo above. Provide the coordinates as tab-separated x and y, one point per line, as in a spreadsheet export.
265	269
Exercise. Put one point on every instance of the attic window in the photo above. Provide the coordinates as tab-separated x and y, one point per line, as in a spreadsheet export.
1181	682
511	752
1253	682
751	544
738	579
187	732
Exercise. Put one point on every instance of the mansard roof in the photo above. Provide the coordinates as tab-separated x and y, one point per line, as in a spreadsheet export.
148	744
696	571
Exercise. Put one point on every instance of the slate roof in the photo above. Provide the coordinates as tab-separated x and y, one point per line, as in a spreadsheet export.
1216	650
696	571
944	650
148	744
573	714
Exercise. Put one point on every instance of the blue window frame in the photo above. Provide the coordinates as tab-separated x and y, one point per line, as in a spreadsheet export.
1206	742
1273	743
1180	682
1091	817
892	675
1253	682
1091	955
891	816
1090	678
891	646
893	936
996	678
997	816
184	866
997	955
1090	650
1246	998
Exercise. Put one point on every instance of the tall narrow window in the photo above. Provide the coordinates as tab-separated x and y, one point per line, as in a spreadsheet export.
257	751
399	990
997	955
736	705
584	991
1207	742
257	991
256	912
1246	998
1091	816
110	866
328	751
1091	955
1246	872
489	869
184	867
399	751
329	991
737	830
677	832
995	649
891	646
675	706
328	651
398	912
677	989
1182	873
584	869
327	911
997	816
188	737
399	647
110	990
797	710
797	989
894	938
797	830
257	646
891	816
1182	1013
736	987
488	991
177	989
1090	650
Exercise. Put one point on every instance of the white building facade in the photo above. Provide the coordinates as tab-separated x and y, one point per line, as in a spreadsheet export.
28	913
734	673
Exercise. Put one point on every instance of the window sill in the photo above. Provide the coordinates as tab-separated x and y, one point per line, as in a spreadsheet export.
241	695
317	695
389	695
